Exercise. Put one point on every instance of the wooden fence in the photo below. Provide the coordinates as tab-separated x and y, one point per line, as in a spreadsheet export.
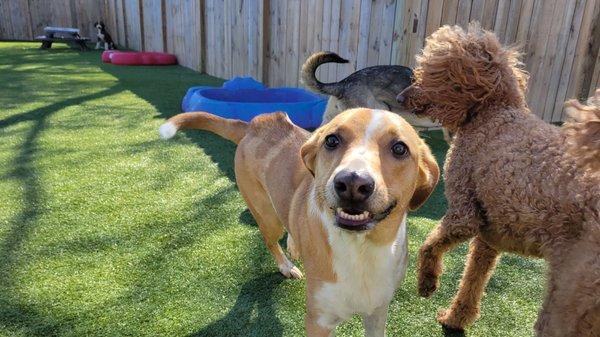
270	39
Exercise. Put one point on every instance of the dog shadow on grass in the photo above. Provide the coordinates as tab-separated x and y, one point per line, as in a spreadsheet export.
253	313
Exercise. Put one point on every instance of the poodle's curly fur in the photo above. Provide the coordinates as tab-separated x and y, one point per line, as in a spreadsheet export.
513	182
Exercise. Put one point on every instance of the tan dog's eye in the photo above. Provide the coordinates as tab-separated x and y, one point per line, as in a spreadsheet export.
331	142
399	149
457	88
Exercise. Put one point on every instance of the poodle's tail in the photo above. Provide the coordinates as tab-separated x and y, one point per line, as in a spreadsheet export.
309	78
231	129
582	130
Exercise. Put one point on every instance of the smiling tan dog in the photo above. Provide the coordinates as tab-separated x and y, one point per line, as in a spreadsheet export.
342	195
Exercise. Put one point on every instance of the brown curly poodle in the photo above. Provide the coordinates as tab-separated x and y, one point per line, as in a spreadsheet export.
513	182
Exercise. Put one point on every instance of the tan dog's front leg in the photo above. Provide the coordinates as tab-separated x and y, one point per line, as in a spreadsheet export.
375	323
449	233
465	306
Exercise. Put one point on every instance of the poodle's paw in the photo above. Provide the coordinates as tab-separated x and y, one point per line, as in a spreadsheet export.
450	321
428	284
290	271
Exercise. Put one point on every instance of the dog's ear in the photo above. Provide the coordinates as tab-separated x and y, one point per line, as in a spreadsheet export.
308	152
429	174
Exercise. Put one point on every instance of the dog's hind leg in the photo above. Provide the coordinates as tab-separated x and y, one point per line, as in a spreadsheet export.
572	306
269	224
481	262
453	230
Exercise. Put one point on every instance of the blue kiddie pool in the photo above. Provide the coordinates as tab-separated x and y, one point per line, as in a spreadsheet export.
244	98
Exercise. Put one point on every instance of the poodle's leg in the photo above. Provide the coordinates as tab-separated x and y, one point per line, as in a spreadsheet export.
449	233
465	306
571	307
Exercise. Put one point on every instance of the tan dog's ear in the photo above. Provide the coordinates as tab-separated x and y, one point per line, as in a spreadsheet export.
429	174
308	152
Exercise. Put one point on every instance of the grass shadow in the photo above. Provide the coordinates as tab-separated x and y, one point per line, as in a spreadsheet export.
168	103
14	312
256	295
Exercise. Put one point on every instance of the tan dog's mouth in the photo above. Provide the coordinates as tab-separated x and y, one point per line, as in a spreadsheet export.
359	220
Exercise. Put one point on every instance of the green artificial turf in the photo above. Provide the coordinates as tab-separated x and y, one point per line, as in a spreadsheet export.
105	230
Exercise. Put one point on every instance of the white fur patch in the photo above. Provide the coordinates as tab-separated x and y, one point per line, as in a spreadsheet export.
167	130
367	274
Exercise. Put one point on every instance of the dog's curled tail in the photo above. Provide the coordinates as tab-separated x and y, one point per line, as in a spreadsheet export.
582	130
309	78
231	129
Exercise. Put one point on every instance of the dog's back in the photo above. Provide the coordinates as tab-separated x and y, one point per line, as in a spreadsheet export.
373	87
384	82
528	183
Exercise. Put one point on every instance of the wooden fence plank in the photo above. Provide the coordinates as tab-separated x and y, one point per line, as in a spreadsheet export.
584	67
525	19
20	19
348	36
334	37
303	50
387	32
41	16
535	56
362	53
120	21
323	71
434	16
6	25
501	19
292	33
512	21
375	33
463	12
449	12
569	61
477	9
407	42
554	54
489	14
238	45
153	34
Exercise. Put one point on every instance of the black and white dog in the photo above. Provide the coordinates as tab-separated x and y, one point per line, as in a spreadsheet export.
103	36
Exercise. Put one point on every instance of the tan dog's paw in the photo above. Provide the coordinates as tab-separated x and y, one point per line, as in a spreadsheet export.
449	321
290	271
428	284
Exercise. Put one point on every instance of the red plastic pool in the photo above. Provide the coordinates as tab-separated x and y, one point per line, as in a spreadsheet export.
138	58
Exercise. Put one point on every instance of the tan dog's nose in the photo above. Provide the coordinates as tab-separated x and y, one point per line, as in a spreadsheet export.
353	186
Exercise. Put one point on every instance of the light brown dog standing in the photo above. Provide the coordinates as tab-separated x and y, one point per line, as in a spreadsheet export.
342	194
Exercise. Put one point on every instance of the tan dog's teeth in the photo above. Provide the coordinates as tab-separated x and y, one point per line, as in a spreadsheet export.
356	217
